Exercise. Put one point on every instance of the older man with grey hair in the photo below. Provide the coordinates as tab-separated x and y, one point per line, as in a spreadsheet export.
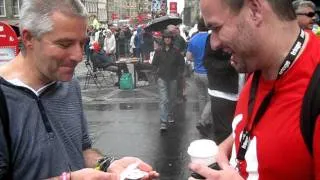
43	129
305	11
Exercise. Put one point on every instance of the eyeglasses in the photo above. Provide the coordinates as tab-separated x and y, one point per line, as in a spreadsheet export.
309	14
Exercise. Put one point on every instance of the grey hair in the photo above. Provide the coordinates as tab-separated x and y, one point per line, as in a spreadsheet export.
35	15
303	3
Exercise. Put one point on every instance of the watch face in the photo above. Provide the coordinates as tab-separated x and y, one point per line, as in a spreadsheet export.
104	163
135	174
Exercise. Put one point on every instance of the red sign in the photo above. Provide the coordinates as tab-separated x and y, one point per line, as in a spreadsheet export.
8	43
114	16
173	7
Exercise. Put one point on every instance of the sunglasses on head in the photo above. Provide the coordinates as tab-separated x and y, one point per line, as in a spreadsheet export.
309	14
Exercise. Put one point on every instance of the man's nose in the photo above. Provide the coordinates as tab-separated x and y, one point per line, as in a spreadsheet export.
77	53
215	42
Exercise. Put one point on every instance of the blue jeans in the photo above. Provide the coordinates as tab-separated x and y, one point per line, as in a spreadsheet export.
201	81
168	95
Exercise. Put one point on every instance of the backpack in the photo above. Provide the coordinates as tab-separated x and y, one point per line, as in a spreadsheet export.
310	109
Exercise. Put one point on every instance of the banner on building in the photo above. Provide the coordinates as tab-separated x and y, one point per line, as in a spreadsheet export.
164	5
173	7
156	5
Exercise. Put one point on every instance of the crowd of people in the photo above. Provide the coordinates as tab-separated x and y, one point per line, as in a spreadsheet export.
122	41
256	65
105	46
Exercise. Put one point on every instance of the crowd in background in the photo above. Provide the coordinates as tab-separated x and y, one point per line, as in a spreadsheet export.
210	68
121	42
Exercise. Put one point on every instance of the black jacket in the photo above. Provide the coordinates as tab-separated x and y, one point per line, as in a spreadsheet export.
169	63
221	75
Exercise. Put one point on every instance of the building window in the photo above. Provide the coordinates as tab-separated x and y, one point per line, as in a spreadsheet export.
2	8
91	7
16	7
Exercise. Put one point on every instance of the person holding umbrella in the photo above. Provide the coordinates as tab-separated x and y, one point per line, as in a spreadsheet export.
167	60
181	45
178	42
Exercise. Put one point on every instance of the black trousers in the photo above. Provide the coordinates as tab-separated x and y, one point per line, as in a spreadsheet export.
222	115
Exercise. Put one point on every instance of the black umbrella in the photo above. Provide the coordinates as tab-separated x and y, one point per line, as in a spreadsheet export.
161	23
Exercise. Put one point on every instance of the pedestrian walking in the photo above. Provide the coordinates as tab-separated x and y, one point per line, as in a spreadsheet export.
224	86
180	44
196	52
168	61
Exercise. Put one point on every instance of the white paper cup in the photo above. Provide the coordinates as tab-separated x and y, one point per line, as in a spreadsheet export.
203	151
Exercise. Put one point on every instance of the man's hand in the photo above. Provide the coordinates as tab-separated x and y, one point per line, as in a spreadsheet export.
227	172
92	174
118	166
222	159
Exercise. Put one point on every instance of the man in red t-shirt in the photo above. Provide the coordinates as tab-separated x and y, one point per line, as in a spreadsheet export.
264	39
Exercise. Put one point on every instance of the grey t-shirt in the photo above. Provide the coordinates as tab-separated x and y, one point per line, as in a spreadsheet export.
48	132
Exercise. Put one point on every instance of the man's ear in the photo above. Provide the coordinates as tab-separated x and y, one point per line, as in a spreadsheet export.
255	11
27	38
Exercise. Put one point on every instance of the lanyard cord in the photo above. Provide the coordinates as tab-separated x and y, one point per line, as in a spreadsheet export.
288	61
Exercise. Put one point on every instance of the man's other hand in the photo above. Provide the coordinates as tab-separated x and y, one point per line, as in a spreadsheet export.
119	166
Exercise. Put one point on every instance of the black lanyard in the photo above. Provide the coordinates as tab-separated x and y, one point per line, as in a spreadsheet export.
288	61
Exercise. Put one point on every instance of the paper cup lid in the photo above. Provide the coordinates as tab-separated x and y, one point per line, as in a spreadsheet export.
202	148
136	174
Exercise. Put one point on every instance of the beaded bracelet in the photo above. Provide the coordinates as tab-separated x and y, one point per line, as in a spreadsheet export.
65	176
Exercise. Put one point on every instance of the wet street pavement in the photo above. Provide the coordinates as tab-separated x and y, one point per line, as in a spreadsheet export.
126	123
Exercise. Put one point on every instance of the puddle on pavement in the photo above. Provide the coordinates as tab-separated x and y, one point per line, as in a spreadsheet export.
99	107
152	106
129	106
96	93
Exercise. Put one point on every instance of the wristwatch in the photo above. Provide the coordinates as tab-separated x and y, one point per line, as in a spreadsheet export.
104	163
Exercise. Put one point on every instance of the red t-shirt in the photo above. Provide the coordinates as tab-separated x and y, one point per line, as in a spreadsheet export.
277	150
